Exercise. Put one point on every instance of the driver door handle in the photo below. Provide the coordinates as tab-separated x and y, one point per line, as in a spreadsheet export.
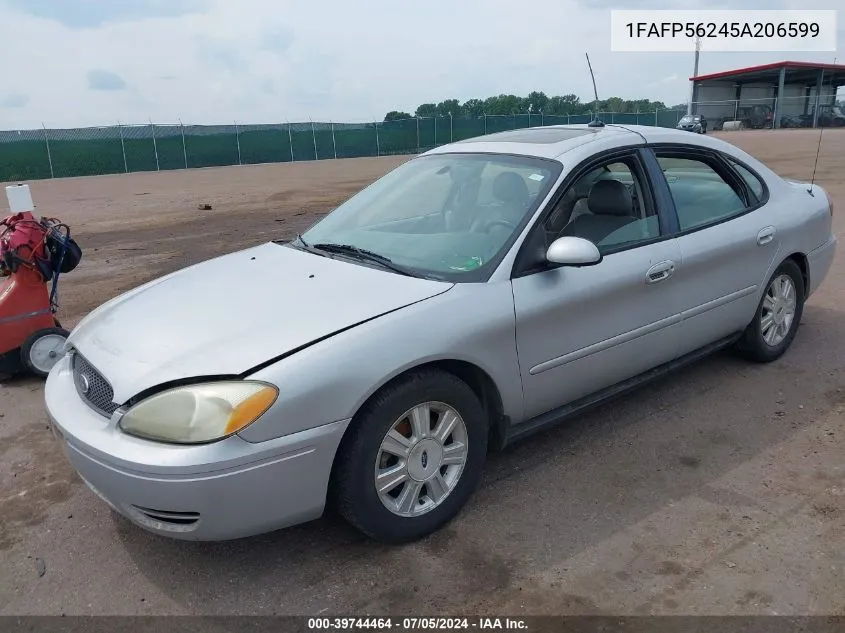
660	272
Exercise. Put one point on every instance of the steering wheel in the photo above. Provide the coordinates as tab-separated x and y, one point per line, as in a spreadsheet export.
509	225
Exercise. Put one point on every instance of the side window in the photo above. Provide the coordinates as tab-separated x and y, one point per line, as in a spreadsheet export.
609	205
753	182
701	195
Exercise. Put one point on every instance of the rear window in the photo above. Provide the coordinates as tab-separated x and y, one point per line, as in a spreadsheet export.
751	180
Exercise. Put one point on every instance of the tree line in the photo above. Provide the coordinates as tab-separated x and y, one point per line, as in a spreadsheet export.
535	103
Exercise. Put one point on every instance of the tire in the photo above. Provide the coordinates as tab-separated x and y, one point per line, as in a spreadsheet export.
362	455
753	344
40	343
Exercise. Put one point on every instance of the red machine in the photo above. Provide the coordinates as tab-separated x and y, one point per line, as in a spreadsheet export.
32	253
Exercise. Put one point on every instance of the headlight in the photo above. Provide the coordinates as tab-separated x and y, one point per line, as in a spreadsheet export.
195	414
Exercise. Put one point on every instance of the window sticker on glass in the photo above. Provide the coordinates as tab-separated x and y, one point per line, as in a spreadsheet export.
470	264
536	177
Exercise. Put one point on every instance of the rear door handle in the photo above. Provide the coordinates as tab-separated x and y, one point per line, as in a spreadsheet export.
660	272
765	236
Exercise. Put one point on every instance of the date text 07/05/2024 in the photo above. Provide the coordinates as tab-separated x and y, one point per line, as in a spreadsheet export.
415	623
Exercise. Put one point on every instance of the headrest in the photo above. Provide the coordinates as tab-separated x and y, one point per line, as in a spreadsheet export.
610	197
509	186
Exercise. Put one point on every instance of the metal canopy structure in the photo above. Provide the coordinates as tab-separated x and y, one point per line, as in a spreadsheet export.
788	87
800	72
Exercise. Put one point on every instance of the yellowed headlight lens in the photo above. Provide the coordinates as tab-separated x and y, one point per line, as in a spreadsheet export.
200	413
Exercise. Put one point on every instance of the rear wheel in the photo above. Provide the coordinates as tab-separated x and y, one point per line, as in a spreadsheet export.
43	349
413	457
778	316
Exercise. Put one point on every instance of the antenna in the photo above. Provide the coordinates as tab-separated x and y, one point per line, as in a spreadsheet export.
595	122
821	131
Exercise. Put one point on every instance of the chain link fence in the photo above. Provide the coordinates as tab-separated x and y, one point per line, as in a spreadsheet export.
61	153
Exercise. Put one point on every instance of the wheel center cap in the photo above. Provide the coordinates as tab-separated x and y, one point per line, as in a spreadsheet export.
424	459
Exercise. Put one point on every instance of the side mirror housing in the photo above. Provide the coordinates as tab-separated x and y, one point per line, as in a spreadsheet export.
573	251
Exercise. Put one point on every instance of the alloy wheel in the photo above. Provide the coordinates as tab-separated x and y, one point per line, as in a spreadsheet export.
778	313
420	459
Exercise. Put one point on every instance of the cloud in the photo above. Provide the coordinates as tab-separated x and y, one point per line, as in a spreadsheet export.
94	13
219	55
267	61
14	101
277	40
105	80
647	5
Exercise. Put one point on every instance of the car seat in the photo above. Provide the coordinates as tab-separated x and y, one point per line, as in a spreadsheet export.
611	208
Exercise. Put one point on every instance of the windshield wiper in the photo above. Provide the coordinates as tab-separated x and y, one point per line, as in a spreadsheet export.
301	245
364	255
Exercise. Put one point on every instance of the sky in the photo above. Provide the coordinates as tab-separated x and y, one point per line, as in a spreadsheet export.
69	63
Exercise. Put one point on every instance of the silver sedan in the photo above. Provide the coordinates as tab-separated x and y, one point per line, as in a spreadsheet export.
478	293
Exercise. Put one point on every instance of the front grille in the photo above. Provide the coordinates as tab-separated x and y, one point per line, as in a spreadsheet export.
92	387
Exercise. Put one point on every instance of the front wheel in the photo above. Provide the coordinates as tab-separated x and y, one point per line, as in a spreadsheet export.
778	316
43	349
413	457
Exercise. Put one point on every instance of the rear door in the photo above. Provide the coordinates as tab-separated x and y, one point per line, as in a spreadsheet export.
726	240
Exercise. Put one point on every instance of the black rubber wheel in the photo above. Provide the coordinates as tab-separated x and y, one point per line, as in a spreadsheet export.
753	344
33	354
361	451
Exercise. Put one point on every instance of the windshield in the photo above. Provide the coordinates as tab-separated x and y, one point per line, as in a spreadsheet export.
446	216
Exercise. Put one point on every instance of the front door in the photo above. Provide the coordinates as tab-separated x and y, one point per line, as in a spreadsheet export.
582	329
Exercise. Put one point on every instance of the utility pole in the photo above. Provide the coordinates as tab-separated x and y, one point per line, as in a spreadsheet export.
694	74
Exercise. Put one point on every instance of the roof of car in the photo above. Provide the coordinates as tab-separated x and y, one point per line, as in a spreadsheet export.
555	140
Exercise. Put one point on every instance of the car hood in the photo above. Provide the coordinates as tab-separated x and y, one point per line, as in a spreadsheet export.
227	315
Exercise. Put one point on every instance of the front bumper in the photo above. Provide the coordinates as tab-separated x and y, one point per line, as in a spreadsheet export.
223	490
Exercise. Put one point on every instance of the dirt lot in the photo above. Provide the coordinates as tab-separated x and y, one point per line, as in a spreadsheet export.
720	490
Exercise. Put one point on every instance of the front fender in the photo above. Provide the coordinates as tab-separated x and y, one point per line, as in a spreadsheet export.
330	380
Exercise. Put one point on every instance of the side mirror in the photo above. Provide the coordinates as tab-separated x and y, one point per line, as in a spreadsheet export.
573	251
